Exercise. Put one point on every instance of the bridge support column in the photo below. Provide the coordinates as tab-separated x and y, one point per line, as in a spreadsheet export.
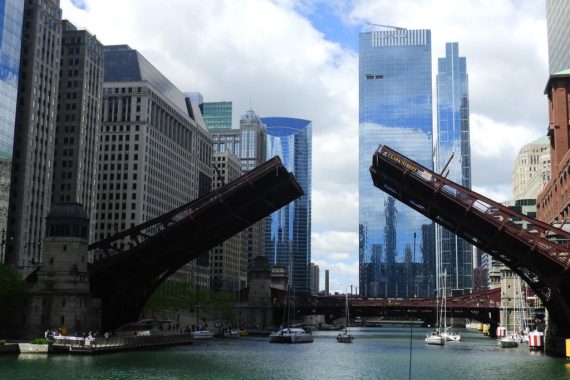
553	344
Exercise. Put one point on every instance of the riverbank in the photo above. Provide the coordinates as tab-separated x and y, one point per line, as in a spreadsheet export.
90	346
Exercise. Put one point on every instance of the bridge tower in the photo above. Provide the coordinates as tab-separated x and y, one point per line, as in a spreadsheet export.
259	298
59	295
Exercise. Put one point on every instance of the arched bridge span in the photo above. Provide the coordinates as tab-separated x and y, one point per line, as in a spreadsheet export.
539	254
130	265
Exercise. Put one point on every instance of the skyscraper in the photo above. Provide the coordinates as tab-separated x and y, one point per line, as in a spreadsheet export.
249	143
315	277
34	136
396	110
228	260
532	169
557	16
288	231
218	115
78	118
454	256
11	14
153	156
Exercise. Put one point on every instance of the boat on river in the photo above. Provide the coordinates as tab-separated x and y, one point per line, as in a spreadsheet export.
202	335
345	336
290	335
435	338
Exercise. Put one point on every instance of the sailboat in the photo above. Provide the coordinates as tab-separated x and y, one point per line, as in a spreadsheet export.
345	336
513	338
435	337
289	334
450	336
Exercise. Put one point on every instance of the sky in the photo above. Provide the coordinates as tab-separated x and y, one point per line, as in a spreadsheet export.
300	59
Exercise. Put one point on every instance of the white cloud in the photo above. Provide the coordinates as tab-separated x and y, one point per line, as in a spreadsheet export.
334	210
268	55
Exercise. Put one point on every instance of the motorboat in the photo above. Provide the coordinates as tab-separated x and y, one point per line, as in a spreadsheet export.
344	337
508	342
202	335
232	333
290	335
435	338
451	336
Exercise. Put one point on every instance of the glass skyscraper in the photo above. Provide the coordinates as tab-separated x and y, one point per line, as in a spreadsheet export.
217	115
11	15
454	256
288	231
558	26
396	244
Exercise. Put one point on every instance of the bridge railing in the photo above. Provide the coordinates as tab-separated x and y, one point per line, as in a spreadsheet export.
494	212
136	235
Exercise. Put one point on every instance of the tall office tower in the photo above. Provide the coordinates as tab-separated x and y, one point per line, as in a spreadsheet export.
30	188
454	256
314	271
532	169
153	155
396	110
78	118
288	230
557	16
228	261
327	289
249	143
218	115
11	14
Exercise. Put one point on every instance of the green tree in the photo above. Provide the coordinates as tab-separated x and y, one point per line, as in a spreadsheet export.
12	292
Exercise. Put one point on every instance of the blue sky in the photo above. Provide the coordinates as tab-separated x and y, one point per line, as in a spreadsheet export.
325	17
300	59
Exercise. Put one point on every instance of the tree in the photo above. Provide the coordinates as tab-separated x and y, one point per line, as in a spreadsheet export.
12	293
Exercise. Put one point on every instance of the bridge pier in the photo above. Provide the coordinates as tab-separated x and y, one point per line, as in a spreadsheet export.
554	344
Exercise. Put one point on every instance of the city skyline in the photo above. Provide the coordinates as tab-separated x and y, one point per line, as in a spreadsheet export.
305	65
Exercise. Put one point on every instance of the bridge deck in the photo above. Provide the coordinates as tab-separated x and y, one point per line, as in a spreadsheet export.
131	264
543	263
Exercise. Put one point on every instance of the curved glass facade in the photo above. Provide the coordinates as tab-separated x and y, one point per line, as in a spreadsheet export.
288	231
11	15
396	248
454	256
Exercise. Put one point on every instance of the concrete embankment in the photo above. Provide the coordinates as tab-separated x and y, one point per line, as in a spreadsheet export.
10	349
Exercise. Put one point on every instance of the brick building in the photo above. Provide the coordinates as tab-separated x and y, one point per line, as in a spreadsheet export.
553	203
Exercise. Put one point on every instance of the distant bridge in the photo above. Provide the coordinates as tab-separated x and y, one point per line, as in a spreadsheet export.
483	306
130	265
540	255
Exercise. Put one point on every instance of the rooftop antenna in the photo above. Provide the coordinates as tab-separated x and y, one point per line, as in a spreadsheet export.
387	26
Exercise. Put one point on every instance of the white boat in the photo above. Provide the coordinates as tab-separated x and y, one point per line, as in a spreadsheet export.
435	338
451	336
290	335
202	335
232	333
508	342
345	336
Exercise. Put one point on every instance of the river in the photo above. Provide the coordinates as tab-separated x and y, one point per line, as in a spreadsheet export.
377	353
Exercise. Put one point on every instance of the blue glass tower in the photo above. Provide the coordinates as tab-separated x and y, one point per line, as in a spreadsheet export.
454	256
11	16
396	244
288	231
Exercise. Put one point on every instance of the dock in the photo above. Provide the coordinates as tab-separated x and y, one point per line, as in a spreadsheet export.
90	346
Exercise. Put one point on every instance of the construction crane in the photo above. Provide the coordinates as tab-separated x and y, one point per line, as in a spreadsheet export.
387	26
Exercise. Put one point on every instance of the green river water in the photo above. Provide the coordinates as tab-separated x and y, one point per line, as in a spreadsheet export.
377	353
